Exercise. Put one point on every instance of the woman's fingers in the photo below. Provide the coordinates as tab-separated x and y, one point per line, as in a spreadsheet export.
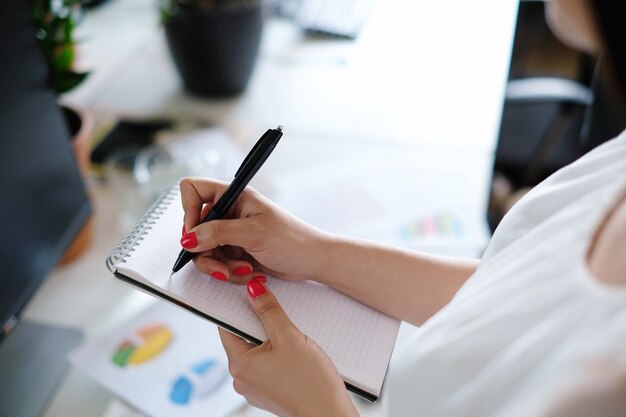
195	192
234	345
215	268
205	210
237	271
274	319
241	271
216	233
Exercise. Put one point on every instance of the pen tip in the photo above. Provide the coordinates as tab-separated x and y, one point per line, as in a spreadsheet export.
280	128
172	274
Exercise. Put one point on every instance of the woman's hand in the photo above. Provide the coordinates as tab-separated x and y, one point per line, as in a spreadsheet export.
288	374
255	235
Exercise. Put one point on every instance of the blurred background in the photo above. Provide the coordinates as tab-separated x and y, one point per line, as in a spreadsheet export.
408	122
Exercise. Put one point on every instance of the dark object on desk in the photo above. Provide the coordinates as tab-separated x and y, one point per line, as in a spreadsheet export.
128	134
214	47
44	202
32	360
92	4
249	167
334	18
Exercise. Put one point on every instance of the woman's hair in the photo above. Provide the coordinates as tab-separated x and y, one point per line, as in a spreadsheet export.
611	23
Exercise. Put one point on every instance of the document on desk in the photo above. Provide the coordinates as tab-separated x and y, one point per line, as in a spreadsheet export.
164	363
358	339
425	199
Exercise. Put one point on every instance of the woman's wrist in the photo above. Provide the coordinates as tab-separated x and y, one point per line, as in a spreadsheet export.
331	258
339	404
344	409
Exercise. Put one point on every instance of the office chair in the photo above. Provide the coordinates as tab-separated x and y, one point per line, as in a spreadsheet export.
546	115
547	101
559	104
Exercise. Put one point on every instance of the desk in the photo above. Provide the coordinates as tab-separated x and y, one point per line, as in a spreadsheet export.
428	76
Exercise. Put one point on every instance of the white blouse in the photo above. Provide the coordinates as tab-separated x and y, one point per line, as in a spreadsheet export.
532	320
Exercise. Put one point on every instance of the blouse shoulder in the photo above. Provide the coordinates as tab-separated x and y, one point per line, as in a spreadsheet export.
595	170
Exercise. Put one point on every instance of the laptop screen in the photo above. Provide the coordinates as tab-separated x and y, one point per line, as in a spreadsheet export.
43	203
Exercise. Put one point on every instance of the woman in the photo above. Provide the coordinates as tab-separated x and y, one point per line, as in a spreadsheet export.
536	328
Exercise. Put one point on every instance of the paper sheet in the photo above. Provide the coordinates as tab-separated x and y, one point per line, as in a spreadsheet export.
116	408
165	362
433	201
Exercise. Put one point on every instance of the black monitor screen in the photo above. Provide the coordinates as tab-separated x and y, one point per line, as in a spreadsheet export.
43	203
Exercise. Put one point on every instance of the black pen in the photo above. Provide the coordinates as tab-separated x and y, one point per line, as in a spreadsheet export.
249	167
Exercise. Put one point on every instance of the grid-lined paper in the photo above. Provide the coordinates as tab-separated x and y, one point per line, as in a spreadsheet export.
358	339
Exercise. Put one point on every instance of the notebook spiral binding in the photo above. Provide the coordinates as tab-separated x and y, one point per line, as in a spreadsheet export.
141	229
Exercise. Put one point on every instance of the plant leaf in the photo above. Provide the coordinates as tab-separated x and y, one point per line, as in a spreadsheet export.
68	80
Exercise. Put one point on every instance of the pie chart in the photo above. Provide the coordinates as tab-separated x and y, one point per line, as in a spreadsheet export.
202	379
142	346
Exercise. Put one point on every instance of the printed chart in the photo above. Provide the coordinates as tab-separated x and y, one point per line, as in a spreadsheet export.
143	345
201	381
164	362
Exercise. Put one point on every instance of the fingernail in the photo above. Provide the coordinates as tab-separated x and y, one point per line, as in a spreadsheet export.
242	270
219	275
255	288
189	241
184	230
260	278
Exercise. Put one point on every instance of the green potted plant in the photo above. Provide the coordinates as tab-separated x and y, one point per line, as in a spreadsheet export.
55	21
214	43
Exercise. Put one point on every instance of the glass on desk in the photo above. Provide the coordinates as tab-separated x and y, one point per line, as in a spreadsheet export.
123	188
158	167
155	170
138	177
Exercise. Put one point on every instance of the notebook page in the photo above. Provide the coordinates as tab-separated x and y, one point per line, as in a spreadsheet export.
358	339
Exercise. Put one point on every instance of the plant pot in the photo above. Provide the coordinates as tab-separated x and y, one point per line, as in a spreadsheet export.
215	49
80	126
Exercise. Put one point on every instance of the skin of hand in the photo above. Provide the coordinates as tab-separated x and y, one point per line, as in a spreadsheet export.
275	242
288	374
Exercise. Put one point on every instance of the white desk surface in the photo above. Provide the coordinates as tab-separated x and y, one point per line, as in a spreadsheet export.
421	72
424	75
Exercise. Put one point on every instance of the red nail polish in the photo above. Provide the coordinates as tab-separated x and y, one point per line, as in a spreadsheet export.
255	288
260	278
242	270
189	241
184	230
219	275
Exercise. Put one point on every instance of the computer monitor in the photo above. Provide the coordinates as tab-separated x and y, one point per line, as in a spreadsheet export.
43	203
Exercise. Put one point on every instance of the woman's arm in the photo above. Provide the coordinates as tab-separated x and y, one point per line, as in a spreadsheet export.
404	284
260	237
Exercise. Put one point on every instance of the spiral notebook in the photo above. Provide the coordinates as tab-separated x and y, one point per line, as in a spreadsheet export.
358	339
